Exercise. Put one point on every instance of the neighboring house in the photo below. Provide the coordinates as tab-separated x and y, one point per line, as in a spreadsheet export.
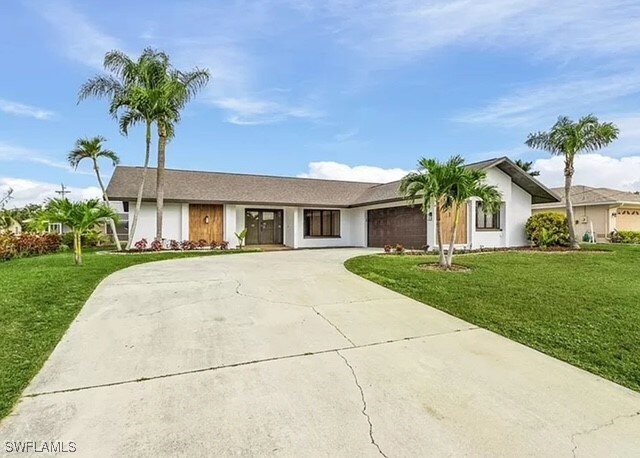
607	209
309	213
14	227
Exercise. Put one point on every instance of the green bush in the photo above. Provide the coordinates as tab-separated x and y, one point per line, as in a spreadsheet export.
625	237
548	229
92	238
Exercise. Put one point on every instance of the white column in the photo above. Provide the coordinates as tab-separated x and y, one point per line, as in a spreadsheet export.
184	222
297	231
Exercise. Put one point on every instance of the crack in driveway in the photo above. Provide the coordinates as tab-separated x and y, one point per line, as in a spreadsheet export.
238	364
333	325
364	404
598	428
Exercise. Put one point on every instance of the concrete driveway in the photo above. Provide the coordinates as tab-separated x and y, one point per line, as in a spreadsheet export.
287	353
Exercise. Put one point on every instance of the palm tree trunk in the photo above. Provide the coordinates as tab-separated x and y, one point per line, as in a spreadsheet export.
136	212
162	148
112	223
568	176
77	248
454	230
441	260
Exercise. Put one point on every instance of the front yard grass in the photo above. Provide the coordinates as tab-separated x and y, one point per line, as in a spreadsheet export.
39	297
580	307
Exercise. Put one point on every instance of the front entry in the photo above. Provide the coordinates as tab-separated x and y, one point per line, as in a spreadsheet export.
264	227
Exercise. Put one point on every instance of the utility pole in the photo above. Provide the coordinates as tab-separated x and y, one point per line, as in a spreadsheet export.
63	190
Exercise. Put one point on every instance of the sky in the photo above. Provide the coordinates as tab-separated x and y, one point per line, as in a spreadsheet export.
339	89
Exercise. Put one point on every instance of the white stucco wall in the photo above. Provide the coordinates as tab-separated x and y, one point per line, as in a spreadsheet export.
173	223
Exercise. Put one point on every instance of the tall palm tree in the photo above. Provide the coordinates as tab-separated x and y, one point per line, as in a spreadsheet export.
131	88
448	187
80	217
91	148
527	166
177	89
569	138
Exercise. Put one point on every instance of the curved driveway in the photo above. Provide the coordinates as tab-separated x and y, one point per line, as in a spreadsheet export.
287	353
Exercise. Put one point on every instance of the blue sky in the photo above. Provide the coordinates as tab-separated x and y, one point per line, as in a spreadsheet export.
333	89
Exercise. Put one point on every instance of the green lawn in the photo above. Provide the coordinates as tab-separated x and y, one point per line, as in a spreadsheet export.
581	307
39	297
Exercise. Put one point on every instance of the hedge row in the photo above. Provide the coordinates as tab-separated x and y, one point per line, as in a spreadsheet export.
18	246
625	237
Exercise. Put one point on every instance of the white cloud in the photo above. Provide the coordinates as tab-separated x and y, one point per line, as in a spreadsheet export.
403	28
21	109
250	111
531	104
31	191
593	169
79	38
329	170
14	153
346	135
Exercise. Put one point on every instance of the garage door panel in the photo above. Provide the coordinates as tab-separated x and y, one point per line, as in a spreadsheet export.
628	219
404	225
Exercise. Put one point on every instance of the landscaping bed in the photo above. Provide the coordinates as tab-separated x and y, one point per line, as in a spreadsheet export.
40	298
581	307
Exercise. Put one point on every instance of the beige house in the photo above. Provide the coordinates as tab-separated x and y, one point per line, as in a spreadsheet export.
607	209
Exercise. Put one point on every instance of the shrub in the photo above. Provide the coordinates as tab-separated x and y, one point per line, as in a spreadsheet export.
141	245
399	248
202	243
156	245
224	245
188	245
388	248
90	239
174	244
625	237
548	229
28	244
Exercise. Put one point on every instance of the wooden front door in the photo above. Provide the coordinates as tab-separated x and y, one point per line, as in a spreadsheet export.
446	224
264	227
205	222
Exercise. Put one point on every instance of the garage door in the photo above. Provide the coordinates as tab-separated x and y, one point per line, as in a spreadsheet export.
389	226
628	219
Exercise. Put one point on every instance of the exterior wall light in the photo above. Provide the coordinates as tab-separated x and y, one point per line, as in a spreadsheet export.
430	216
206	219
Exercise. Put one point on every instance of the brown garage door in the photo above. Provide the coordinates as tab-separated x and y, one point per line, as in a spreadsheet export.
389	226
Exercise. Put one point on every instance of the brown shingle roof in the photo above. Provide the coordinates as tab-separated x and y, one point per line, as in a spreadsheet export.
195	187
583	195
192	186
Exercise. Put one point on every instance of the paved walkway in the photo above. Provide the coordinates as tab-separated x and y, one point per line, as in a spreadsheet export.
287	353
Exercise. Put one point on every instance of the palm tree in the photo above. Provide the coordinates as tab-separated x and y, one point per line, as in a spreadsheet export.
175	91
569	138
91	148
527	166
448	187
80	217
133	100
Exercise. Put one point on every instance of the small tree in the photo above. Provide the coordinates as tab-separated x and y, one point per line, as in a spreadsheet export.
448	186
568	138
91	148
80	217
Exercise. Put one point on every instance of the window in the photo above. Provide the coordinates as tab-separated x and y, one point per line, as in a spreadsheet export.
485	220
322	223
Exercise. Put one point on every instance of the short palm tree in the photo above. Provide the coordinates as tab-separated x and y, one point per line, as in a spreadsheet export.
448	187
91	148
80	217
527	166
569	138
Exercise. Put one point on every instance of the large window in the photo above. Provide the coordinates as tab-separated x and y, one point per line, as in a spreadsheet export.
322	223
486	220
